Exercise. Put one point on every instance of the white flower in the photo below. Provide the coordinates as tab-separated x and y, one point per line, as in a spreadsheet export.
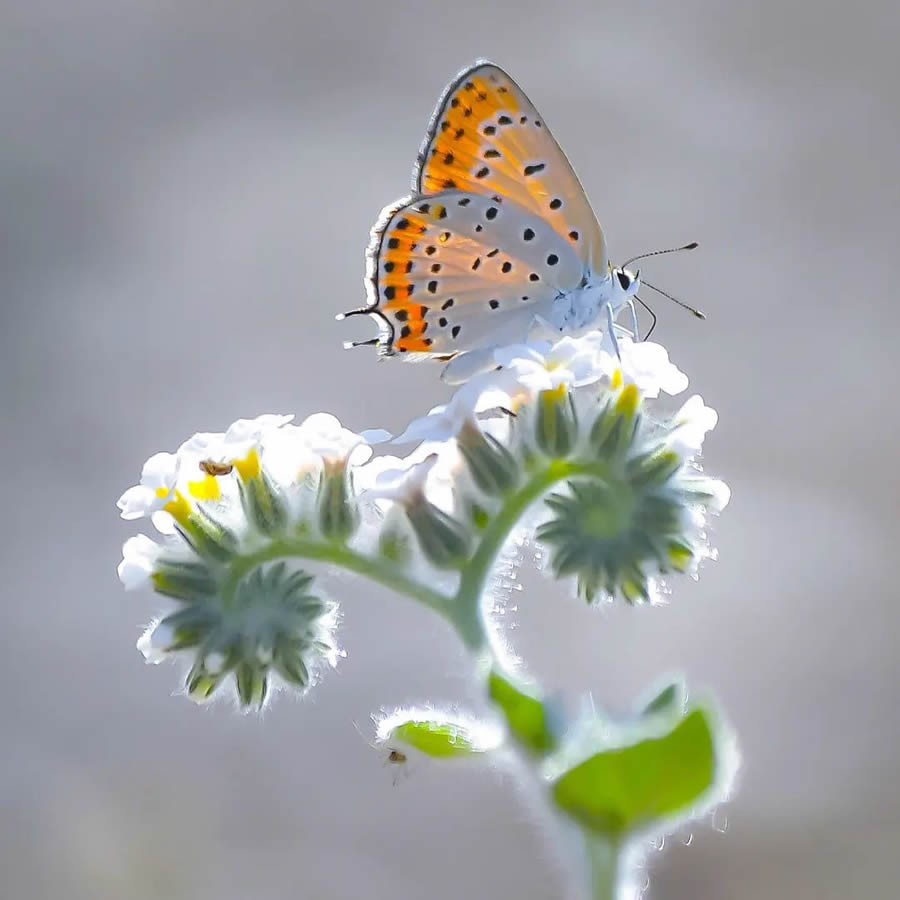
158	478
690	425
643	364
251	432
139	558
432	470
541	366
484	392
399	479
323	434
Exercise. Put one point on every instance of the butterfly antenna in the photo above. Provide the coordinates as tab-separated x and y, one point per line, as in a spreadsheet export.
693	245
652	316
681	303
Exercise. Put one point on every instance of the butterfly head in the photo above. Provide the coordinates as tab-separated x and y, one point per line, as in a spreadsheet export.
625	284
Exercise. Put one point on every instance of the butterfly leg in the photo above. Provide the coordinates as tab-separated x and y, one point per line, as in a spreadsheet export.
635	328
611	330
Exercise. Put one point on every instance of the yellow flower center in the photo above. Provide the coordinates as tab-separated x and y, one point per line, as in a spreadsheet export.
205	489
248	467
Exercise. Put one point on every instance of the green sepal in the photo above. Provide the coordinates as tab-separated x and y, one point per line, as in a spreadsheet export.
526	715
252	684
209	538
191	626
613	431
201	684
637	787
338	515
444	541
556	423
184	581
263	505
492	467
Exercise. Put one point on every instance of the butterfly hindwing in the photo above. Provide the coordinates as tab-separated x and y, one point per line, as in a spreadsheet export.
487	138
450	272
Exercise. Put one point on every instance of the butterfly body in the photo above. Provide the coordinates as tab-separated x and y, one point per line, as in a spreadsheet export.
583	307
497	237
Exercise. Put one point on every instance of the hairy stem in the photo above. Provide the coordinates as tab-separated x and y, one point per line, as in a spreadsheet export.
377	570
478	569
603	860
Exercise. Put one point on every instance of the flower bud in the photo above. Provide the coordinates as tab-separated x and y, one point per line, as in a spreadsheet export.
492	467
263	506
556	423
444	541
338	516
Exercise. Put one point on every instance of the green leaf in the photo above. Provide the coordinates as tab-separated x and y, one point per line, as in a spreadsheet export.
436	737
630	788
526	715
669	700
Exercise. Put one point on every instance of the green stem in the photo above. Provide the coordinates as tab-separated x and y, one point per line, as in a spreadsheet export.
477	571
603	859
378	570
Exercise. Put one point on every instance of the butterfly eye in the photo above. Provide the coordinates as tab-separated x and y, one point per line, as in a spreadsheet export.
624	280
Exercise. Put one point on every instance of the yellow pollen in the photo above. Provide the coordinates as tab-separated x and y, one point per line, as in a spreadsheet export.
205	489
616	380
179	507
628	401
248	467
162	492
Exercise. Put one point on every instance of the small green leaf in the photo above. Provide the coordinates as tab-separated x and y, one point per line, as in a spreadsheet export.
525	715
436	737
630	788
669	700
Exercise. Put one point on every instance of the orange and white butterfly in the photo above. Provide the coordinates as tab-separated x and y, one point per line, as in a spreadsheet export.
497	237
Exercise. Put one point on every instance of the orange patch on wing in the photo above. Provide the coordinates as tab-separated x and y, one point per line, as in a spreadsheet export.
458	137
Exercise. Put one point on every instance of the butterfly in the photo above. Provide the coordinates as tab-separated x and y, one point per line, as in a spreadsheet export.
497	236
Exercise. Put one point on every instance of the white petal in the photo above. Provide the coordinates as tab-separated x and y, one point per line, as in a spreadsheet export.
137	502
375	436
155	641
534	352
692	422
139	556
467	365
163	522
721	494
251	430
160	471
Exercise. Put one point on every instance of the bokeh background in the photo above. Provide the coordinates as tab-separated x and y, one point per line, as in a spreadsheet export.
186	194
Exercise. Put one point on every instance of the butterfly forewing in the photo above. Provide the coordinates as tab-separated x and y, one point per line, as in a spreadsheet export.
487	138
455	270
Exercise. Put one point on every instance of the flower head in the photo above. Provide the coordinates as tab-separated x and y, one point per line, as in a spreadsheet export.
227	500
542	366
634	507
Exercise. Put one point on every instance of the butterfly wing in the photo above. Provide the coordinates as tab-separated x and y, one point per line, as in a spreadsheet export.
456	271
486	137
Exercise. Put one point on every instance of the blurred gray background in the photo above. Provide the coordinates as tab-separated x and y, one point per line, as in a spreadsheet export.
187	190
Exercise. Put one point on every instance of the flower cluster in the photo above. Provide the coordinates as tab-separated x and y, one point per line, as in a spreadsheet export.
569	433
624	500
222	503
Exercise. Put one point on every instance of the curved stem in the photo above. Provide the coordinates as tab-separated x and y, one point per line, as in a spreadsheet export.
476	573
378	570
